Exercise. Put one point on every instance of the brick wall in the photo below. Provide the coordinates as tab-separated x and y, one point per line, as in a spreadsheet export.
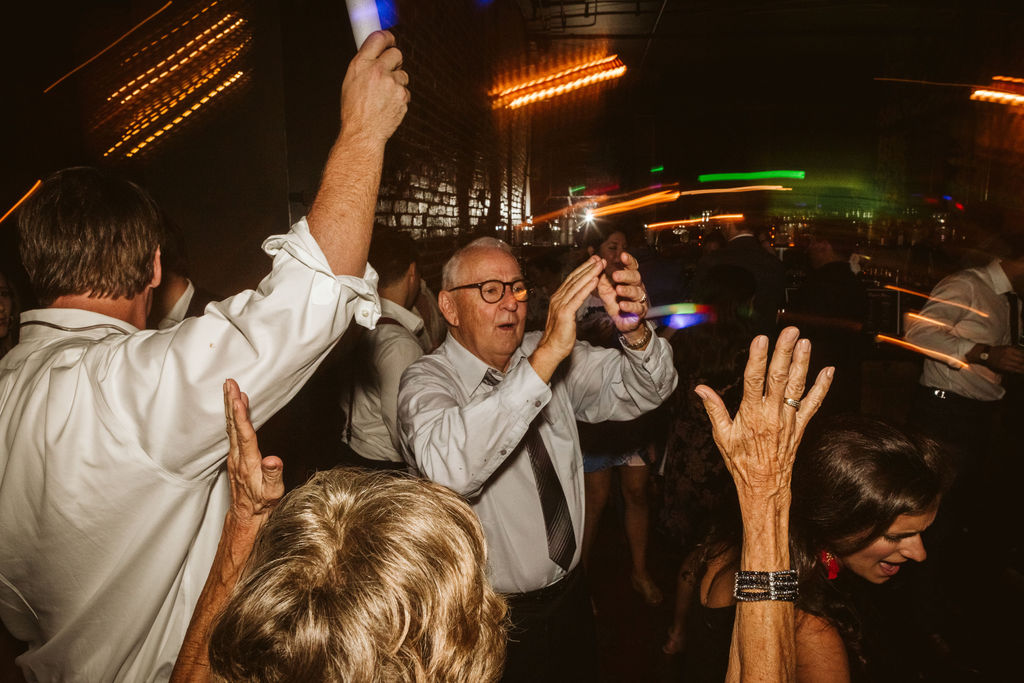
455	168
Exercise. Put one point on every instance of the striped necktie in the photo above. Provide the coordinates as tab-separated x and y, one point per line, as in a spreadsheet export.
557	521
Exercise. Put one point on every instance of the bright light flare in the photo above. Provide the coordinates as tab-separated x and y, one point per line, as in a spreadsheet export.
638	203
679	309
931	353
19	202
894	288
588	216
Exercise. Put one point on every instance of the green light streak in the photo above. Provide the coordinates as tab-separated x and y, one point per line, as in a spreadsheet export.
577	188
756	175
657	169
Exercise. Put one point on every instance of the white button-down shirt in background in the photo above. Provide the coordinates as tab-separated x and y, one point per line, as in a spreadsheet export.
987	321
112	446
462	433
374	372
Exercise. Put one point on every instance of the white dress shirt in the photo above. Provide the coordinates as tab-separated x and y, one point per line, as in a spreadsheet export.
461	432
956	330
179	309
381	356
112	446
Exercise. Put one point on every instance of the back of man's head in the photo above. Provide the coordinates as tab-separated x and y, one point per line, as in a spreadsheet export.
364	576
391	252
85	231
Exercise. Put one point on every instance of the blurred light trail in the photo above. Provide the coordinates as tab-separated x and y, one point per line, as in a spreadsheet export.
91	59
638	203
693	221
998	96
657	169
23	198
559	83
169	33
754	175
920	82
926	319
544	217
677	309
678	321
894	288
949	360
1008	79
745	188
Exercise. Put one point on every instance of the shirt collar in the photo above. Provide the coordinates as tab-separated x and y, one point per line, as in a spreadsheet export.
410	320
997	277
42	323
471	370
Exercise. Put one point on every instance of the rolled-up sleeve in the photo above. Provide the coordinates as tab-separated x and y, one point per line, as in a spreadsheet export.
167	383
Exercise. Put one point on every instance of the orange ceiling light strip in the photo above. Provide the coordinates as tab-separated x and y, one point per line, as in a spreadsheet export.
1008	79
95	56
20	201
894	288
185	114
694	221
559	83
182	62
998	96
922	350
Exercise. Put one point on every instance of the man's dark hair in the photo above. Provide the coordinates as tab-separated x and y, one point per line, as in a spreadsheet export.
391	252
85	231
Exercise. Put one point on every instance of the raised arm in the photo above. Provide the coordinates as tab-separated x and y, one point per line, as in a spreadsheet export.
256	487
374	100
759	447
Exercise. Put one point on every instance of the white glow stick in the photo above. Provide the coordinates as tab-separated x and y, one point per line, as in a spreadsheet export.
365	19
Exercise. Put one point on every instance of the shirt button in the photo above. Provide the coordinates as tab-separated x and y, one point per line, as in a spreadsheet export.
503	451
536	404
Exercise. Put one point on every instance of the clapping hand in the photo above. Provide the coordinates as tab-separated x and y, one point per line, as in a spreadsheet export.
623	295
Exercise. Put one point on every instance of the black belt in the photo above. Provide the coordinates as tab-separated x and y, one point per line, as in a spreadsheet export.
547	592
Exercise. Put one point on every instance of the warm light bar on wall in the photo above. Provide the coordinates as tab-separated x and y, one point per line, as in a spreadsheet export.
755	175
998	96
559	83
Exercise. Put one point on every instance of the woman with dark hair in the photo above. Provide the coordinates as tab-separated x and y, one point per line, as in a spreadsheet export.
863	491
627	447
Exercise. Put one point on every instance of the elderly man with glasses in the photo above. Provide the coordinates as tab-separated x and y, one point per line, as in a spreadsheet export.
492	415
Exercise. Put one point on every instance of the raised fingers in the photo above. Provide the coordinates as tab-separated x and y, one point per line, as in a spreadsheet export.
778	370
753	373
810	404
798	370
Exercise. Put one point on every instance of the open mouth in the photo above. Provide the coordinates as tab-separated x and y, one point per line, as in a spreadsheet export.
508	327
889	568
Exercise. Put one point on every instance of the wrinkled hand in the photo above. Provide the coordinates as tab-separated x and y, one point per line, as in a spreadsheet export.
374	96
624	296
559	336
256	482
760	443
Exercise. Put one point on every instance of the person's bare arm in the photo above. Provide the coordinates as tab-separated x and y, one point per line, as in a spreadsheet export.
256	487
759	446
374	100
820	652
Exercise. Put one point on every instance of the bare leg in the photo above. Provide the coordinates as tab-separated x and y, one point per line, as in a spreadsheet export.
634	492
596	486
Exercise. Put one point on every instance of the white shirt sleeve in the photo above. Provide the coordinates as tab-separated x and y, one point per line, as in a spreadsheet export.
953	328
167	384
390	359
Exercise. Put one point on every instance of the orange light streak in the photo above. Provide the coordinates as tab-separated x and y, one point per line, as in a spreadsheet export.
185	114
926	319
638	203
170	33
998	96
95	56
745	188
693	221
19	202
544	217
174	67
553	77
1008	79
894	288
922	350
554	91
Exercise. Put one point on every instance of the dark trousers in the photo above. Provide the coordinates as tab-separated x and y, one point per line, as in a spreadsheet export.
552	637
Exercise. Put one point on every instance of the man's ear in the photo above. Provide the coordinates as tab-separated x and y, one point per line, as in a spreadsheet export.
157	272
449	310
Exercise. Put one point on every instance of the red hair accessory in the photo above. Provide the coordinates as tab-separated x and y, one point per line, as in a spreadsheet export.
831	563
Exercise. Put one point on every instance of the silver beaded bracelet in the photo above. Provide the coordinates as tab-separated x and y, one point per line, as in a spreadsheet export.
753	586
648	335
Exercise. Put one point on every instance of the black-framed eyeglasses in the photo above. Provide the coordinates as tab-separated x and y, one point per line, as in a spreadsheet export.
493	291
